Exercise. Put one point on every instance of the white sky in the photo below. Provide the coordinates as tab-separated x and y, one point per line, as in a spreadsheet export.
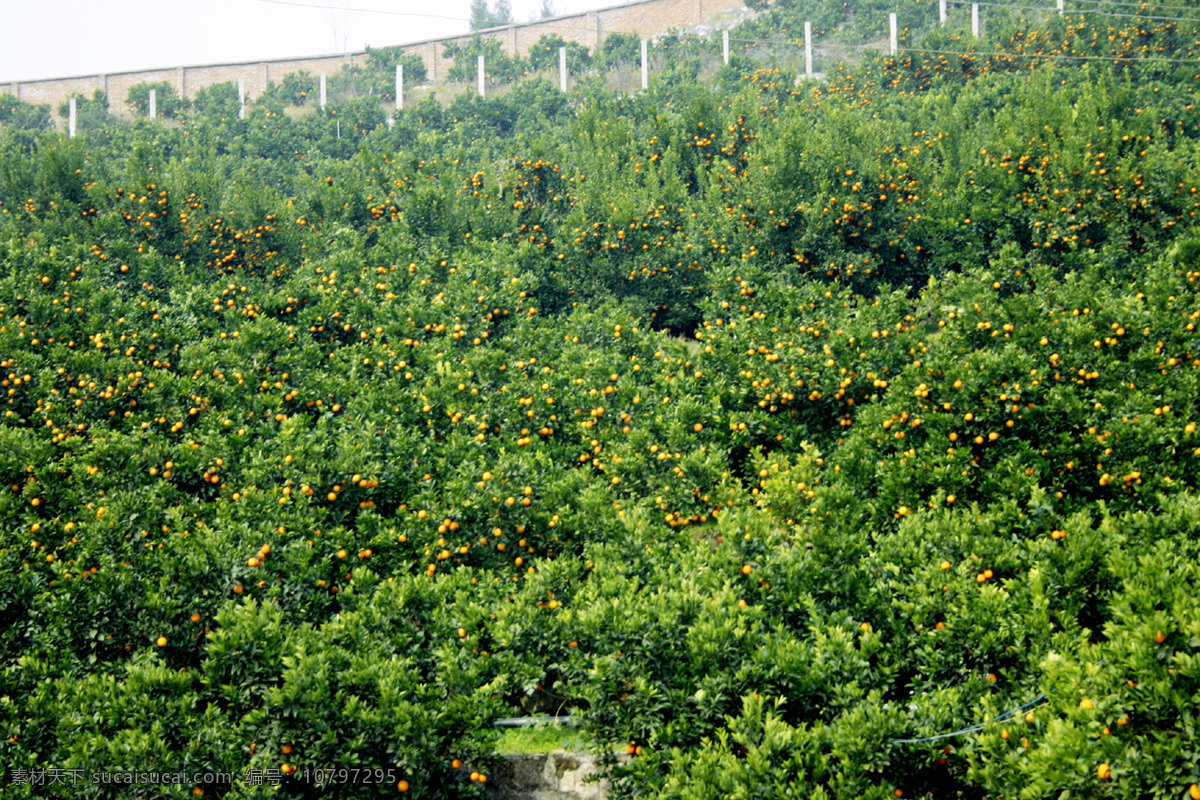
65	38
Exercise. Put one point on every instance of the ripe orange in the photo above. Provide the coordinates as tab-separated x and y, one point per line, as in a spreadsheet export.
1104	772
402	786
1160	637
747	569
161	641
286	749
238	589
456	763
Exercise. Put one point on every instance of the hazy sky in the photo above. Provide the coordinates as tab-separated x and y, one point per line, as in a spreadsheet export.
63	38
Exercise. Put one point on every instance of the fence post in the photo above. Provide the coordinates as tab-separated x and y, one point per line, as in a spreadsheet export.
241	98
808	70
482	80
71	119
153	103
322	90
975	20
893	37
399	87
942	12
1062	7
645	66
562	68
725	45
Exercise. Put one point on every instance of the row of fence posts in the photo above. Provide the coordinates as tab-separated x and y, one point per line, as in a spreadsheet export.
893	49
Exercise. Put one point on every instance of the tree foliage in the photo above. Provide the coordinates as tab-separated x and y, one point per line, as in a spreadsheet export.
834	440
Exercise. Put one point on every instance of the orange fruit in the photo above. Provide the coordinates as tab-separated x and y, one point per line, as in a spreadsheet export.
747	569
402	786
161	641
456	763
1104	772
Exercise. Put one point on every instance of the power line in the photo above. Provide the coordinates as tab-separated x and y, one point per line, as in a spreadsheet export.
1050	57
972	728
1099	12
1135	5
1047	9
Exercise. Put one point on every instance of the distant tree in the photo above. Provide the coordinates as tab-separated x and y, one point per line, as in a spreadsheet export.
166	102
89	112
618	47
544	54
500	66
217	100
24	116
548	10
383	60
484	16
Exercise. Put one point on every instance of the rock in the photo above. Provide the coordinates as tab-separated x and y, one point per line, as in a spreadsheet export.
547	776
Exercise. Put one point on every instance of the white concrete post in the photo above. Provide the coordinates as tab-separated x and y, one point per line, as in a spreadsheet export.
71	119
645	65
1062	7
241	98
482	79
153	103
893	37
725	45
942	12
391	122
975	20
322	90
400	87
562	68
808	70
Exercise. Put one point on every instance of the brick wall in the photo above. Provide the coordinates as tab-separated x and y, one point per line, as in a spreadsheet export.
645	17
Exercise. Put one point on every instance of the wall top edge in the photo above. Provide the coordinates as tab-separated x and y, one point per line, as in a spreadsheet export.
356	53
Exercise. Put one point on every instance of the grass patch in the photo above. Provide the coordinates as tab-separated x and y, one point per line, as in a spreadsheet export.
540	739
